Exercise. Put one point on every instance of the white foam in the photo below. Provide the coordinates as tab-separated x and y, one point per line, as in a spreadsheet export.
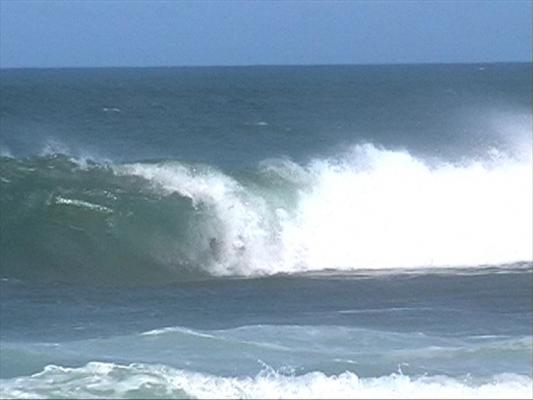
371	208
96	380
386	209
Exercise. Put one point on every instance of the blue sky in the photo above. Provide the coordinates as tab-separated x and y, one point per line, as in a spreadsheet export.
56	33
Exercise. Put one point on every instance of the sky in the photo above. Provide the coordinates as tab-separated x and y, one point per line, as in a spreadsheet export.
96	33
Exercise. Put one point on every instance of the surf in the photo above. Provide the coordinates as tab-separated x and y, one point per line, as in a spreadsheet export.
366	208
100	379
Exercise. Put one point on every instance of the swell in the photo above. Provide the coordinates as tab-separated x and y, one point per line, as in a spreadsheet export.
368	208
328	348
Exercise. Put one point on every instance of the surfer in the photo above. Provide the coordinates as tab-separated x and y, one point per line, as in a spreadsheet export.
216	248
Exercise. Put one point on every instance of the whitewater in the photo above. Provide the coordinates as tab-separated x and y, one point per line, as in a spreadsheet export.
346	211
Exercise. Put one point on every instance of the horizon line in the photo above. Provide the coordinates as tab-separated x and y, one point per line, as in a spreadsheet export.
269	65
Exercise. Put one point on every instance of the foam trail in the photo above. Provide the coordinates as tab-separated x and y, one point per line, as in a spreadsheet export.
97	380
82	204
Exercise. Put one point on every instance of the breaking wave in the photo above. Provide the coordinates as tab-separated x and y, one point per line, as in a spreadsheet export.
368	208
98	380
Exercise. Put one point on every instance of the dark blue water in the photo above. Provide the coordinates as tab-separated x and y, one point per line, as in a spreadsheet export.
236	116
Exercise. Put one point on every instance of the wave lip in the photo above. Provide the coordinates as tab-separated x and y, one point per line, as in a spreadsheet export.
98	379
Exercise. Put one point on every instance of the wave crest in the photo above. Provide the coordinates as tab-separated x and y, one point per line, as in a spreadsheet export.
372	208
369	208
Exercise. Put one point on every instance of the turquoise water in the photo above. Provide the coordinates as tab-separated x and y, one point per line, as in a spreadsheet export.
266	232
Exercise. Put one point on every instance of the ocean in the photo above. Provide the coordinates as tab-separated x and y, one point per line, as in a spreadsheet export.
267	232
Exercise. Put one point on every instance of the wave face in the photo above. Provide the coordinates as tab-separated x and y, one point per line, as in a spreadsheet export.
97	380
369	208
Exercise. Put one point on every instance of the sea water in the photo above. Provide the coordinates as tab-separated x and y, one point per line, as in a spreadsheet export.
263	232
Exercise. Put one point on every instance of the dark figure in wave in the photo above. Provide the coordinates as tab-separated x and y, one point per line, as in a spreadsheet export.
216	247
